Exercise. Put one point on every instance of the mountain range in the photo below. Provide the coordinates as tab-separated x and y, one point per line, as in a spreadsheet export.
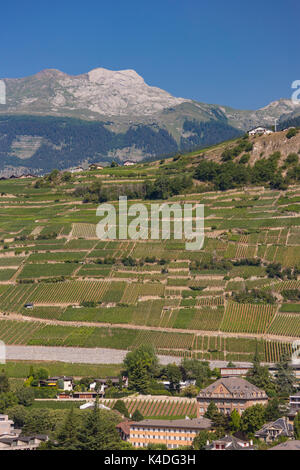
55	120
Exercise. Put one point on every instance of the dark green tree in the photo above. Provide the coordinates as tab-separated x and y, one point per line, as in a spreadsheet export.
121	408
235	421
4	383
174	376
202	438
141	365
67	437
285	377
253	419
137	416
297	426
98	431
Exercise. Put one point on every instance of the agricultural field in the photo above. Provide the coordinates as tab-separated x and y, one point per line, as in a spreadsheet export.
119	294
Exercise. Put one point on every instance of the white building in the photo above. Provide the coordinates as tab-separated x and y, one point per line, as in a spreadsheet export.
260	131
11	439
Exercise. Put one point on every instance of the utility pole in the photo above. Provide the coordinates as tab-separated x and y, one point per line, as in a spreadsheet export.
275	124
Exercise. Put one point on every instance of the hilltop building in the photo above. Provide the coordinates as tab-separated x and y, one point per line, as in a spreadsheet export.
260	131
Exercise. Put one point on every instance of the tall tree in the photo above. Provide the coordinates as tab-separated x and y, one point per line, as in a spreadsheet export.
4	383
174	377
235	421
67	438
98	431
141	365
260	376
285	377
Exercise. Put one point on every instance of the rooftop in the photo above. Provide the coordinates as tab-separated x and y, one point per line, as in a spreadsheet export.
195	423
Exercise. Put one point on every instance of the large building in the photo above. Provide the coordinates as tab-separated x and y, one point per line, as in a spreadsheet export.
11	438
230	393
173	434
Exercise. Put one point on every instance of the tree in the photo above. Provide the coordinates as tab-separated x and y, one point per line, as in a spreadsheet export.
297	426
212	411
252	419
200	441
4	383
98	431
260	376
25	396
67	437
121	408
272	411
137	416
7	399
18	414
141	365
235	421
191	391
174	376
285	377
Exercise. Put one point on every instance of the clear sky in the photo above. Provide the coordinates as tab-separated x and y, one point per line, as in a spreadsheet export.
236	52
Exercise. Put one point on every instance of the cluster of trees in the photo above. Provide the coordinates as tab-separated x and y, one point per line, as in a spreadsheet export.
243	146
53	179
93	430
145	374
276	270
254	296
164	187
229	175
204	134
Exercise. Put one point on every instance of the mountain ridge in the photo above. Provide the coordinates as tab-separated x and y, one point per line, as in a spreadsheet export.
132	120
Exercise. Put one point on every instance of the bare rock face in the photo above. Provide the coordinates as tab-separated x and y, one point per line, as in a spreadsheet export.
123	95
99	92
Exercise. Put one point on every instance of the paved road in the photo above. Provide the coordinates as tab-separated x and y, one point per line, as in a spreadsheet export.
76	355
84	355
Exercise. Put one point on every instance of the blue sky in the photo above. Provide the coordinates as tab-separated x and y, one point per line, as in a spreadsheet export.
235	52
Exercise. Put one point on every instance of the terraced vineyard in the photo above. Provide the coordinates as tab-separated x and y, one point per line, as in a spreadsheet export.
210	304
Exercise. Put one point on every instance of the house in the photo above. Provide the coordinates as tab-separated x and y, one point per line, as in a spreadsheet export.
48	383
96	166
173	434
230	443
102	384
128	163
11	439
288	445
260	131
63	382
182	384
77	169
230	393
272	431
